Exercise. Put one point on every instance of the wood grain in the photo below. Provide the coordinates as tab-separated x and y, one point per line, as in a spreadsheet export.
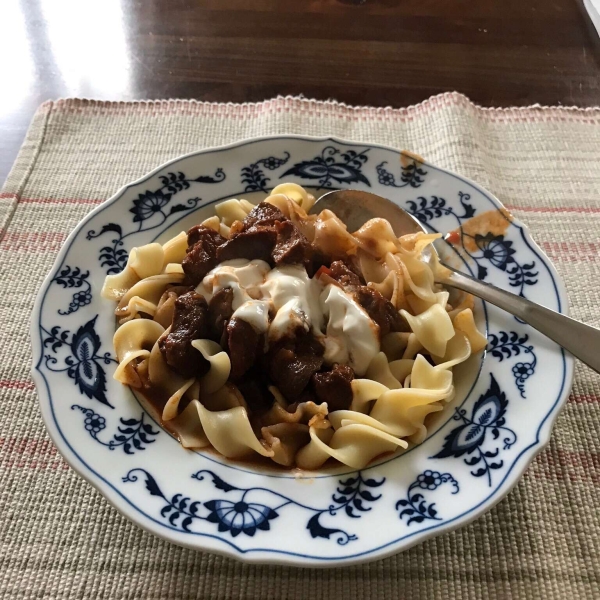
377	52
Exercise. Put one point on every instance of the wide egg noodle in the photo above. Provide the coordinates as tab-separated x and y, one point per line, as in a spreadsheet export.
332	237
355	445
297	193
142	262
394	344
374	271
230	433
465	323
376	237
433	328
392	288
458	350
232	210
131	341
379	371
175	249
401	368
402	412
220	365
148	290
171	408
364	393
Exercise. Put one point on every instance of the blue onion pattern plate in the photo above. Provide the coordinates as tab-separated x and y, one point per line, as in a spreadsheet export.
475	452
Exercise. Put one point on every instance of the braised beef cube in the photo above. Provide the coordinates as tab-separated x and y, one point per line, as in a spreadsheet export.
263	214
201	254
189	323
244	344
344	275
334	387
254	388
292	247
319	259
255	243
380	309
201	232
220	310
292	362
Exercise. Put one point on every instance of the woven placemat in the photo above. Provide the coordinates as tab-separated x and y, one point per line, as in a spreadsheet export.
61	539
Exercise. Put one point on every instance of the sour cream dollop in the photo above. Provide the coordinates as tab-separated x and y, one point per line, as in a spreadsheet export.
293	299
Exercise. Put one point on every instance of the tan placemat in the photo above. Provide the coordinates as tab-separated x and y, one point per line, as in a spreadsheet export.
61	539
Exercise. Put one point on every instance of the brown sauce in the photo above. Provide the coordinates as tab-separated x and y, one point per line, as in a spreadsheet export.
495	222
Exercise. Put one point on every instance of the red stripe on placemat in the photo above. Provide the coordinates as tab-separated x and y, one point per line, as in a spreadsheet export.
558	209
572	251
60	201
30	454
566	465
328	108
15	384
32	241
584	398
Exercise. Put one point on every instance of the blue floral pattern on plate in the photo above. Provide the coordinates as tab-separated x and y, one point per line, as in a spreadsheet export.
415	507
485	437
508	345
332	165
241	515
75	278
131	435
82	363
479	431
253	176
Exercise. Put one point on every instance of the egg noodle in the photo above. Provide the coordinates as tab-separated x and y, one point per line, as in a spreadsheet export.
399	378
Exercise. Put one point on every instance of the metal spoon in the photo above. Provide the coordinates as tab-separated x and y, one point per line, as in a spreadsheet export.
355	208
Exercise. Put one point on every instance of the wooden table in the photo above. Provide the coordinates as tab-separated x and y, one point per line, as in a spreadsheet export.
377	52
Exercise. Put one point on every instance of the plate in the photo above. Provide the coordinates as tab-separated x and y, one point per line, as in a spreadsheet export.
474	454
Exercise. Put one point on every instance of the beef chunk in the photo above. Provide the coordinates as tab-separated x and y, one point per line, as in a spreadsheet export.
344	275
380	309
334	387
201	232
220	310
254	243
319	259
201	254
254	388
189	323
244	344
263	215
291	362
291	247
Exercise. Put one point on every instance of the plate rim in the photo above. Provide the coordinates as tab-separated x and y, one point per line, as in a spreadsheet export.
265	555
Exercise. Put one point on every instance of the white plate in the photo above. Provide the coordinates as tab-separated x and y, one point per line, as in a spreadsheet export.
476	451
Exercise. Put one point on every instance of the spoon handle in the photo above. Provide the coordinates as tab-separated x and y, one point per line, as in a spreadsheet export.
582	341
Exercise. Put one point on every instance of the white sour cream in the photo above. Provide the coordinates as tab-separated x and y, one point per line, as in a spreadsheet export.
244	277
295	298
278	301
351	336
